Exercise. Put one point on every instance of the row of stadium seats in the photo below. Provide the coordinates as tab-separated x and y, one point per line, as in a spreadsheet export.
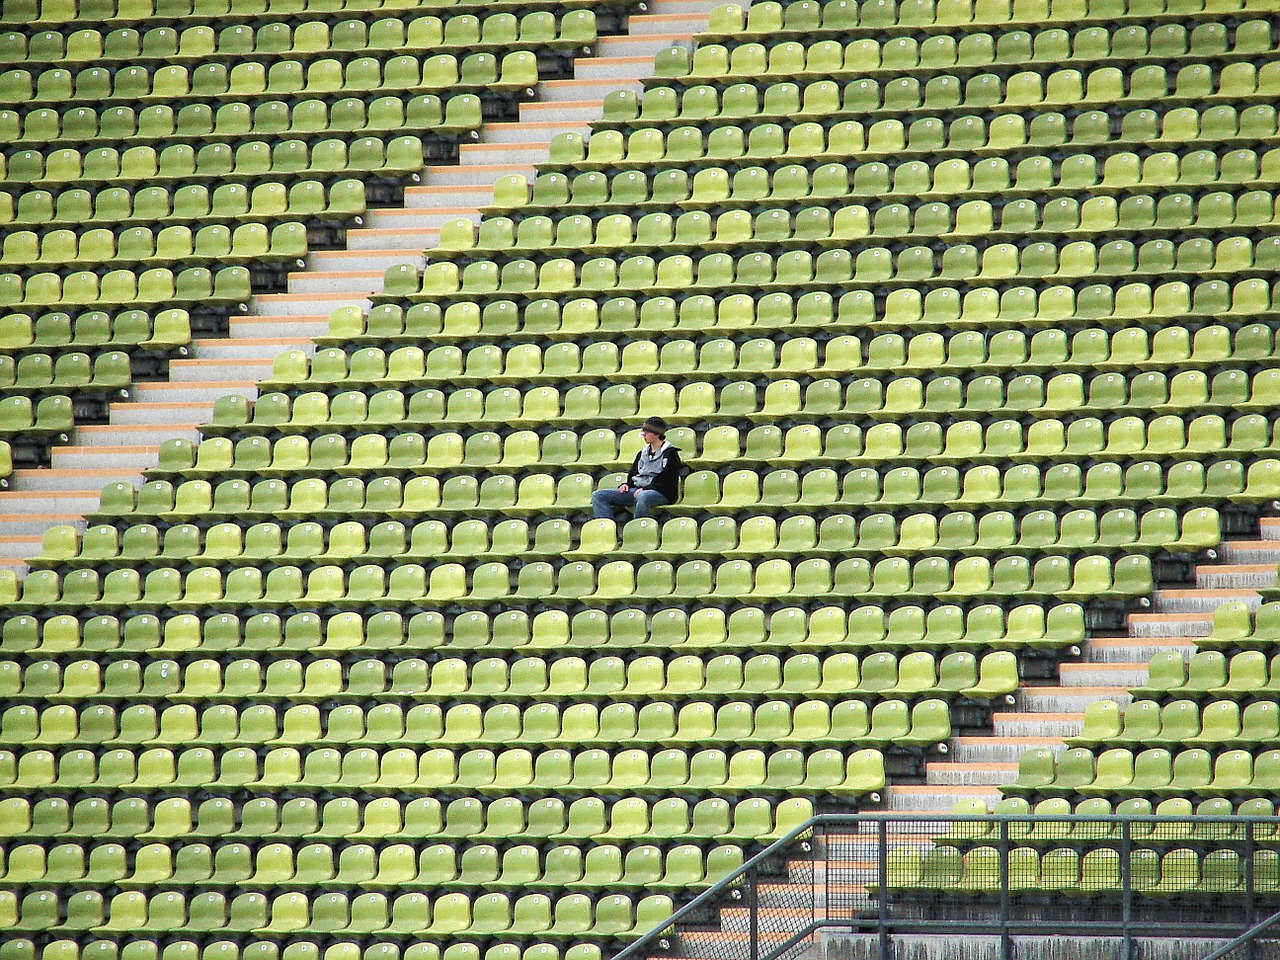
1207	671
1097	873
798	269
966	441
229	544
437	866
801	674
400	865
26	423
166	330
452	678
614	917
391	818
703	402
1154	771
443	72
1117	40
972	353
808	723
782	772
126	288
413	585
143	948
215	243
652	127
953	16
53	13
1237	625
297	38
158	206
767	229
235	121
865	629
944	307
1219	722
1079	172
1147	832
542	496
72	371
253	160
867	57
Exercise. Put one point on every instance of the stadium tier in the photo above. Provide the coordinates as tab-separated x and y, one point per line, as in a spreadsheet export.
960	313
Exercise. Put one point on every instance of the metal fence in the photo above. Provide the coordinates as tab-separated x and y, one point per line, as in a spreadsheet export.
886	875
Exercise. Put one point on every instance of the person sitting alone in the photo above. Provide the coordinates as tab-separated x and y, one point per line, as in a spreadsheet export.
653	480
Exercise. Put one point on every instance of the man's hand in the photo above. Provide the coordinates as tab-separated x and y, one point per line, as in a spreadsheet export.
623	487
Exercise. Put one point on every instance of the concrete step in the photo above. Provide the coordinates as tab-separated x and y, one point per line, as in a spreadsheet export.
938	798
14	550
477	174
365	259
1250	551
1269	528
71	480
437	196
965	774
666	24
1199	600
529	131
1228	576
1054	726
533	151
206	370
38	502
33	525
167	415
350	283
628	46
243	348
136	458
704	7
310	304
384	238
1103	674
258	327
591	88
567	112
619	69
424	218
987	750
1133	650
167	394
1169	626
1068	699
138	434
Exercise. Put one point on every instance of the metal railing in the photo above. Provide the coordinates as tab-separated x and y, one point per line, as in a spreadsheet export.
1005	876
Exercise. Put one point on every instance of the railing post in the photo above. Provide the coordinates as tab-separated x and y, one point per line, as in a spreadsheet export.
1126	887
882	842
1250	894
1006	938
753	914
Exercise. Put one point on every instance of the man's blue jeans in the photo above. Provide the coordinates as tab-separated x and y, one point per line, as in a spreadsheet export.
605	502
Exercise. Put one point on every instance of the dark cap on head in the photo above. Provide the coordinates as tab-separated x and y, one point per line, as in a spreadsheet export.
656	424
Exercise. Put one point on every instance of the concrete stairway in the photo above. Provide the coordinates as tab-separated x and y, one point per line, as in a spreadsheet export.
1109	666
129	443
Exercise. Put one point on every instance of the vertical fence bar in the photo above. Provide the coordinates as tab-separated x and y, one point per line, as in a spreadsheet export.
1006	938
753	914
1250	893
882	902
1126	887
